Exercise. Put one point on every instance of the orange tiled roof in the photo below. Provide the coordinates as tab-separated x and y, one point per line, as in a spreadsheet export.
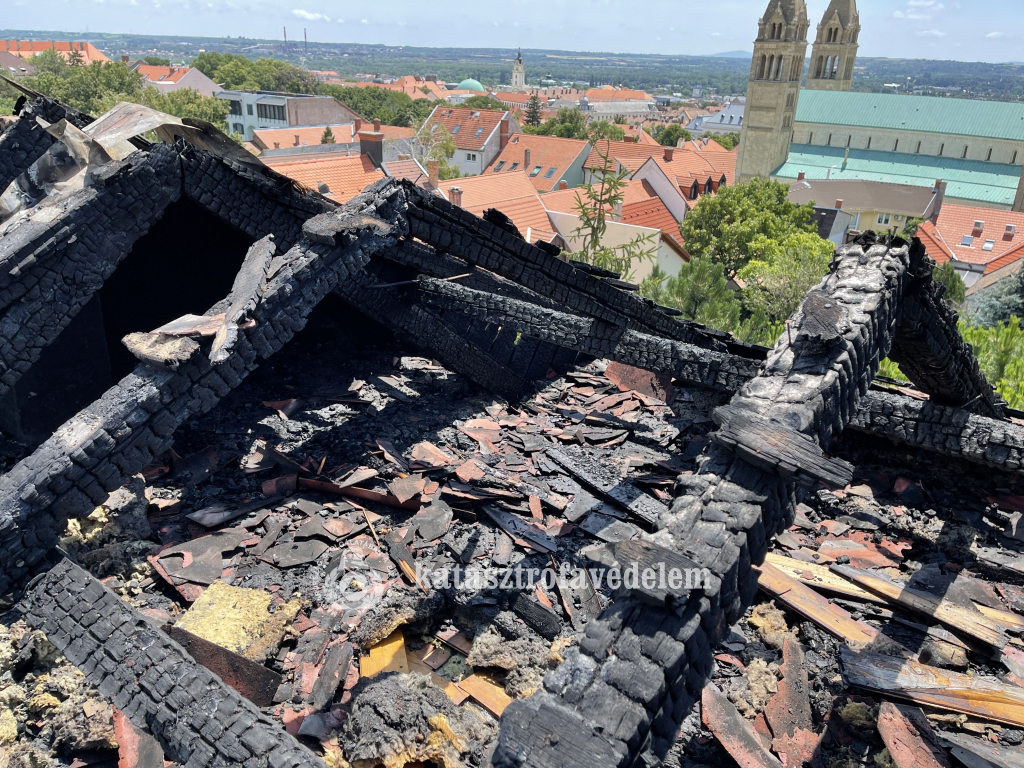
511	193
947	237
546	152
563	200
621	151
162	74
310	135
29	48
408	169
654	214
608	93
345	176
514	98
470	128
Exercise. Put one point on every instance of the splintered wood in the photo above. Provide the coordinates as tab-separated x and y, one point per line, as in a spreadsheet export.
387	656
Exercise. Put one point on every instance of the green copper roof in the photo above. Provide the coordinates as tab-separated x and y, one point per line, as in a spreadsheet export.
961	117
471	85
985	183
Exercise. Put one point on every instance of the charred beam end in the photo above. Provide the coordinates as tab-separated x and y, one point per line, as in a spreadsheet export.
26	141
197	719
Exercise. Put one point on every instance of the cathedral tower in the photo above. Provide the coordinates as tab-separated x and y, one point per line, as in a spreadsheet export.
773	90
835	48
518	73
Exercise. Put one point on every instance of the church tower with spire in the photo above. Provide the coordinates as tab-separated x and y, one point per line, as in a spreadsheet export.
835	48
519	73
773	89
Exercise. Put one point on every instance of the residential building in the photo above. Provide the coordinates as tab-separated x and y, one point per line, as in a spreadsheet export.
979	241
479	135
26	49
832	223
875	205
609	110
774	87
518	72
256	110
14	66
307	138
547	160
337	177
511	193
835	48
826	131
728	120
169	79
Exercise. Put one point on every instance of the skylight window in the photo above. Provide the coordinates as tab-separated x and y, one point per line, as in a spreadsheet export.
989	245
455	129
550	173
514	166
478	131
967	240
499	166
537	169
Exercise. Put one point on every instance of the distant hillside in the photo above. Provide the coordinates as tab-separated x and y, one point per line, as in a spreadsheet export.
733	55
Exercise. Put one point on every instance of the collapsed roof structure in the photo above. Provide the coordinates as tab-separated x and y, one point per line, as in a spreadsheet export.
474	295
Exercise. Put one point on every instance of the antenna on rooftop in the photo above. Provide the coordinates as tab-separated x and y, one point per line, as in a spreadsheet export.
305	42
285	48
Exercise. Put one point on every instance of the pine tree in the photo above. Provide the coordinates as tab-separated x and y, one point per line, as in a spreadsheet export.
328	136
533	116
701	292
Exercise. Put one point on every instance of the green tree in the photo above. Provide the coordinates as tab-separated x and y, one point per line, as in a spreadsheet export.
92	89
434	142
700	291
727	140
75	59
533	115
602	129
49	62
328	136
727	226
669	135
999	303
157	61
910	227
783	273
569	123
390	107
956	291
619	120
593	209
188	102
484	102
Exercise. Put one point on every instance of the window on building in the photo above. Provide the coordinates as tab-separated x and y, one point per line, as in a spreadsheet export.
810	138
550	173
918	152
248	109
964	155
455	129
849	140
536	170
989	245
968	241
478	131
514	166
884	219
896	145
239	128
471	156
499	166
830	139
1013	161
271	112
989	157
869	142
236	108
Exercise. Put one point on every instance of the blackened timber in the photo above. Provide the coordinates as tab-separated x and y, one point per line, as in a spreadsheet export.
595	475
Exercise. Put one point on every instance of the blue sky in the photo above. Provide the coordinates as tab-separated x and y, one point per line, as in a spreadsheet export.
967	30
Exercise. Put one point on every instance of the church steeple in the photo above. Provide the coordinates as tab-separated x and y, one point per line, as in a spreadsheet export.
835	48
518	72
773	89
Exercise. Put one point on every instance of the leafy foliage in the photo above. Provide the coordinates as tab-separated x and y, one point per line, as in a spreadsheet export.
783	273
533	114
188	102
602	129
727	140
593	214
434	142
157	61
736	224
700	291
328	136
669	135
235	71
569	123
996	305
1000	352
956	291
484	102
390	107
910	227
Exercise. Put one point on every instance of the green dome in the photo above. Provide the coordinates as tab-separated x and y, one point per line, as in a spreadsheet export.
470	84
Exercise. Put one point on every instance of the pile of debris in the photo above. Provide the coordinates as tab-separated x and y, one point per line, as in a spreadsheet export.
352	556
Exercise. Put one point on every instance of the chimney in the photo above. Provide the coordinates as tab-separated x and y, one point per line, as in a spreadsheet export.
669	152
839	205
124	59
526	159
376	125
371	144
503	133
801	176
433	171
357	126
297	142
563	184
277	145
940	189
617	211
455	196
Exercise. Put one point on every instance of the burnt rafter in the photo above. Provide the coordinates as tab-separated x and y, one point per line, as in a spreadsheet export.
503	312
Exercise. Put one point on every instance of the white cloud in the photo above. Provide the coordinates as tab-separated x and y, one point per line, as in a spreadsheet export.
926	3
364	21
309	16
994	35
899	14
915	15
931	33
716	34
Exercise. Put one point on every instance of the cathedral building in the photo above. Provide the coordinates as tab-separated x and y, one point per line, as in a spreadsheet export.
825	131
519	73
